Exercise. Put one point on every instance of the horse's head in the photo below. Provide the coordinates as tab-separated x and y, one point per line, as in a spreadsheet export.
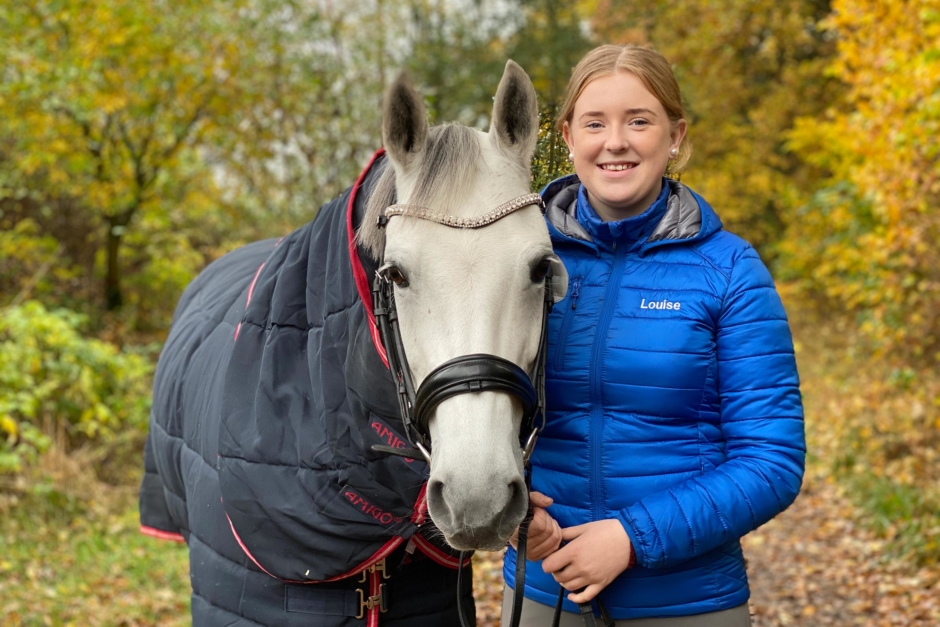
463	291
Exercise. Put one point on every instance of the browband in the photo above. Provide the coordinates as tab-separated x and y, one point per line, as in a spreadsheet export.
414	211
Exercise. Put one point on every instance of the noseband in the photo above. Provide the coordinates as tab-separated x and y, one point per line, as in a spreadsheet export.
466	374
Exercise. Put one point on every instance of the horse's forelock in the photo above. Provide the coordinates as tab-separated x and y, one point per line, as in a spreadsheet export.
448	169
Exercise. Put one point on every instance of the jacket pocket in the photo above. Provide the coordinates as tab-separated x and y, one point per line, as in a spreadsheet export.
559	362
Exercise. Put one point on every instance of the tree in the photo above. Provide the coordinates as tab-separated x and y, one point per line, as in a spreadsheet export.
869	237
747	69
549	43
104	102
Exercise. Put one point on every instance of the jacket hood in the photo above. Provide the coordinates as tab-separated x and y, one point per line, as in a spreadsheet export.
688	216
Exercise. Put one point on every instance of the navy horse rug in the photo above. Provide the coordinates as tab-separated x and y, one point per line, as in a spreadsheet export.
258	456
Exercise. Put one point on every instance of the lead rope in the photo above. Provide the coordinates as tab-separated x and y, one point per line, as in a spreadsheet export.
585	609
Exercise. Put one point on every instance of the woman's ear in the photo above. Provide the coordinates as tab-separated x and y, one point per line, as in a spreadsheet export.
677	133
566	135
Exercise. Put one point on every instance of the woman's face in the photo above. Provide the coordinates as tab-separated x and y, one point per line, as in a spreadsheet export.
621	138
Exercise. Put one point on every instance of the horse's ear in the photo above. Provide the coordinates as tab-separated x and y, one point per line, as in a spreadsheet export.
515	112
404	123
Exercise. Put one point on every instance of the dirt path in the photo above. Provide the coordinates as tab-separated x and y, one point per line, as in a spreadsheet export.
810	567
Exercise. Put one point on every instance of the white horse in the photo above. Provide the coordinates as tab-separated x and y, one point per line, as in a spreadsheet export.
258	383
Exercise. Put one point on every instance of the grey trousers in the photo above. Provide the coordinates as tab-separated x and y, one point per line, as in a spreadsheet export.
534	614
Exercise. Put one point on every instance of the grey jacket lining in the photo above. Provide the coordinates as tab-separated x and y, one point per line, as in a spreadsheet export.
682	220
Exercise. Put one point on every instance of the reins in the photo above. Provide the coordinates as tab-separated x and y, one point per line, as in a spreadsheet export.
469	374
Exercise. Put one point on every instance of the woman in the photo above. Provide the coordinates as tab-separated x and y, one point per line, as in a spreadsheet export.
675	424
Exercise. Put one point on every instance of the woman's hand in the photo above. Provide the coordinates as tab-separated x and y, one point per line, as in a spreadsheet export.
544	533
595	554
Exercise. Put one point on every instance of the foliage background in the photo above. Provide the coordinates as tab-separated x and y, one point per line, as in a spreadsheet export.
140	141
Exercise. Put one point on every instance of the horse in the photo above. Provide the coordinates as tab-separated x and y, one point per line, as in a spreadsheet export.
339	412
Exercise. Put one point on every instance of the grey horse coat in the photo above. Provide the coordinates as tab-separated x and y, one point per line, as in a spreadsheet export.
268	395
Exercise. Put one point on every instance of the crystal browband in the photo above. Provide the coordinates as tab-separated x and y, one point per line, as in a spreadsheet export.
424	213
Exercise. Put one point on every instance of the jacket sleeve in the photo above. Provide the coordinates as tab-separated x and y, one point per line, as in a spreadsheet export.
155	519
762	424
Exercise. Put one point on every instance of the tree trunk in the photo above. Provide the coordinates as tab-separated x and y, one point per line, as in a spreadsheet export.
117	225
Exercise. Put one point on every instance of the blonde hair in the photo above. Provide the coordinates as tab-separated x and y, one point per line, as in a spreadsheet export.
649	66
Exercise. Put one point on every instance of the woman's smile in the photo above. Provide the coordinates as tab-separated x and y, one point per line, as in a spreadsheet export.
617	167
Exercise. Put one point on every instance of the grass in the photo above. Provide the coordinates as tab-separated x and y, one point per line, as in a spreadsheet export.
71	553
902	514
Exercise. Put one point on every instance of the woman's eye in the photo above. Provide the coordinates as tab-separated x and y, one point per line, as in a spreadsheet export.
395	276
640	122
540	271
594	125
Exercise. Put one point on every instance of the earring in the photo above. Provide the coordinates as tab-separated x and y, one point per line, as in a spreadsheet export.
674	152
570	156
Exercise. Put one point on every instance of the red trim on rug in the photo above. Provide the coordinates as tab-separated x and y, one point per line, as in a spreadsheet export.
383	552
420	515
359	274
251	290
251	287
160	534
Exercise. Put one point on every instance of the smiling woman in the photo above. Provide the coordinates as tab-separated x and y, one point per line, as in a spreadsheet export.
674	422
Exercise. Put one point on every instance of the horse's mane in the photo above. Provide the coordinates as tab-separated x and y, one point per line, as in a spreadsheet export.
448	168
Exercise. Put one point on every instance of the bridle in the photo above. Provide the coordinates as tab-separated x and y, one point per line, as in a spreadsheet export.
467	374
478	372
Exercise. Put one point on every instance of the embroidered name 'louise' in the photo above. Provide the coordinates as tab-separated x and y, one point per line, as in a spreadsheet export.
660	304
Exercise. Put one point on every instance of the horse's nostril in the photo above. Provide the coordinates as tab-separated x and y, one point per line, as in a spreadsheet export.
513	490
517	492
436	491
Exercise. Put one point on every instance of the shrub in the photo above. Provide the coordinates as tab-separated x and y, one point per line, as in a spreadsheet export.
60	388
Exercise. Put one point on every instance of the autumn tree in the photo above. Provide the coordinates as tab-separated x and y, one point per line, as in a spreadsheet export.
868	238
105	102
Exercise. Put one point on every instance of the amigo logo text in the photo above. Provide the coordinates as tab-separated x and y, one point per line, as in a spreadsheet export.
369	509
389	436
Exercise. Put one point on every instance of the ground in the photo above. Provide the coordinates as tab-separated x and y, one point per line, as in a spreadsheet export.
810	567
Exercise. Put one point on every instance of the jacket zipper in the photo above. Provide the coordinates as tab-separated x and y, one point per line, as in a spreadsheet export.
597	357
565	323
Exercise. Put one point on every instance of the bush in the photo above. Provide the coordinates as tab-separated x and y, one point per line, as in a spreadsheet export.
60	388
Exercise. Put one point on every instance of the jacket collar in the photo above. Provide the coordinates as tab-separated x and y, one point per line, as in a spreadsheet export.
687	216
626	232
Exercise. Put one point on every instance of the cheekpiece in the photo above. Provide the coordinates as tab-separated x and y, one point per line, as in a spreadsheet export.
414	211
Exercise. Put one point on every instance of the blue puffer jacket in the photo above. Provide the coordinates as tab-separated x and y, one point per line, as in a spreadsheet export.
673	398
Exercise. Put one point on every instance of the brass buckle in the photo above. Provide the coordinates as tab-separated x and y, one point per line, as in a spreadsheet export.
379	566
369	603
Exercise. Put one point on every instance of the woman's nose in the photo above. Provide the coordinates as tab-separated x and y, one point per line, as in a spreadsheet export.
616	140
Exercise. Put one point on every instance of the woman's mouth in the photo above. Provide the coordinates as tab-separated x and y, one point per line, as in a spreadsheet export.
617	167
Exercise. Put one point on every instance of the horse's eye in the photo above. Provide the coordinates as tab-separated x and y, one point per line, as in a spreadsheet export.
395	276
540	271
